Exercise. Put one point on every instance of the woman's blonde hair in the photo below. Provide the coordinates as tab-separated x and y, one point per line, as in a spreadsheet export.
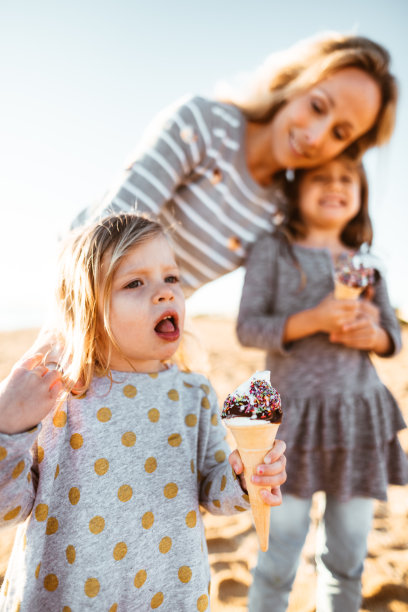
79	295
291	72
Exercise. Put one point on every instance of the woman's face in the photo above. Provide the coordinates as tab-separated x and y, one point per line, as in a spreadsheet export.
316	125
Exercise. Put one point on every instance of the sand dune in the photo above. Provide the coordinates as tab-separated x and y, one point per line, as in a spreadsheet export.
231	540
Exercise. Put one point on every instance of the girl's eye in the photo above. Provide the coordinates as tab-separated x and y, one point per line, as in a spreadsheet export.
319	178
339	134
346	178
134	284
172	279
317	106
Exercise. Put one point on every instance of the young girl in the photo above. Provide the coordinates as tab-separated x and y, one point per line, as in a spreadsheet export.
109	482
340	422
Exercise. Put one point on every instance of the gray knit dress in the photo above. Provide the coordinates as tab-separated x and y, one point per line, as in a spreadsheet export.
340	422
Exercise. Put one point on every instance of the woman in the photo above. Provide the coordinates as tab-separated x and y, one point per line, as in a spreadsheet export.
210	169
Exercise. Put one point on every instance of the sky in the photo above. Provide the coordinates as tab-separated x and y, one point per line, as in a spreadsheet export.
80	81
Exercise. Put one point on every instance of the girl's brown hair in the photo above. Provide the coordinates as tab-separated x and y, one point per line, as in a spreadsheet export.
291	72
358	230
79	293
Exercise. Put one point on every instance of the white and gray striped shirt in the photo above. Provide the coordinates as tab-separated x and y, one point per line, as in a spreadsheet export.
191	174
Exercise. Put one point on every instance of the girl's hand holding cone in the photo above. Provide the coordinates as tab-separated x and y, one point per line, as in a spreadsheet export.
269	475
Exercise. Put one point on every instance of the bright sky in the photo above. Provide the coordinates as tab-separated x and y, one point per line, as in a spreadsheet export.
80	80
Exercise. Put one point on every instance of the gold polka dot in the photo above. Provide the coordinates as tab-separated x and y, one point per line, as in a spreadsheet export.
239	509
52	525
191	420
223	483
12	513
205	388
192	468
217	503
125	493
41	512
97	524
165	545
101	466
214	420
219	456
157	600
119	551
202	603
92	587
170	490
104	415
60	418
56	471
174	439
205	403
66	609
186	384
153	415
18	469
76	441
29	476
40	454
191	519
50	582
113	607
37	570
184	574
147	520
140	578
173	395
74	495
70	554
129	438
129	391
150	465
245	497
3	453
154	374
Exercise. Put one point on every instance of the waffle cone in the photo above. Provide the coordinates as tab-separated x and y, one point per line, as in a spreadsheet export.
343	292
253	442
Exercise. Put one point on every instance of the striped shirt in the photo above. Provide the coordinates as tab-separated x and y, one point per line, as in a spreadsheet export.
190	172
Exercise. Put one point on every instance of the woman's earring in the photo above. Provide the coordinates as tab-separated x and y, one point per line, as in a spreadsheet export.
290	174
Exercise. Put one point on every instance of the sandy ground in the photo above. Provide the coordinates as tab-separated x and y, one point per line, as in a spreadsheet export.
232	541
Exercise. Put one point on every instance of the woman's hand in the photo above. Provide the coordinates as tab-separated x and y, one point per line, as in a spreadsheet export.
270	474
28	394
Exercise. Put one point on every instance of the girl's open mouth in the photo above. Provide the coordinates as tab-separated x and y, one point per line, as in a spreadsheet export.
167	327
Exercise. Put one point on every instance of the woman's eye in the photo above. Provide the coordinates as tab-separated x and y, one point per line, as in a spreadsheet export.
319	178
172	279
134	284
339	134
317	106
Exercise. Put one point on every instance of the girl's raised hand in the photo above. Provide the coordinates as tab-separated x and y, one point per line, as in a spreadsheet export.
270	474
28	394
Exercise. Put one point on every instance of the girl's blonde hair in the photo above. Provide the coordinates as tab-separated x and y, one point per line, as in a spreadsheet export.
79	295
291	72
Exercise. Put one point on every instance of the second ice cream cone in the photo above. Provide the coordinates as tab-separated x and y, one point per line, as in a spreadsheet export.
254	440
344	292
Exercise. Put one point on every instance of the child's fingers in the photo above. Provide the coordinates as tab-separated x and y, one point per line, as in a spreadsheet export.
271	497
276	451
51	378
236	462
29	363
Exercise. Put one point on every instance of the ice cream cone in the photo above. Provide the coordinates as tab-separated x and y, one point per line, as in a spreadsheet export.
254	440
344	292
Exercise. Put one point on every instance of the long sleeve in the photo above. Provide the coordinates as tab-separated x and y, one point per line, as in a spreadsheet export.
18	476
258	325
172	147
388	319
220	491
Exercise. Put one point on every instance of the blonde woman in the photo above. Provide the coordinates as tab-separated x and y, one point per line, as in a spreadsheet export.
210	167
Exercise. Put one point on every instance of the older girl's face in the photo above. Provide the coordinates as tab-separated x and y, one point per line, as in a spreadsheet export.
316	125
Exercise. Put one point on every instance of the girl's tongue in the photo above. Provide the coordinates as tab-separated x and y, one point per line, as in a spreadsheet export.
165	326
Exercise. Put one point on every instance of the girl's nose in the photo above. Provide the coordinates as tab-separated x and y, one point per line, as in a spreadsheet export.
163	294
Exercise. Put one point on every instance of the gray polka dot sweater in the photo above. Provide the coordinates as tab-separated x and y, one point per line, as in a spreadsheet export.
109	488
